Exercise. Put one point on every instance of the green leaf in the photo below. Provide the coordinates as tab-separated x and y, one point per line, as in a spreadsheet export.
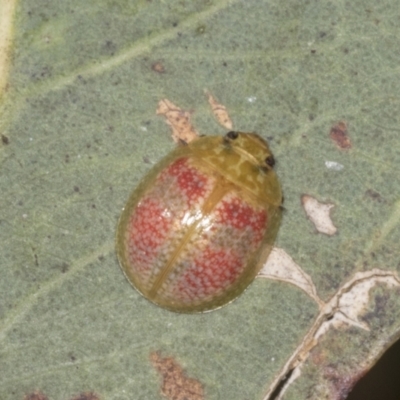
79	86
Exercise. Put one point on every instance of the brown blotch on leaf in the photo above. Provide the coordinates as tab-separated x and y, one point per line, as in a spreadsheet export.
36	396
158	67
340	136
178	120
176	385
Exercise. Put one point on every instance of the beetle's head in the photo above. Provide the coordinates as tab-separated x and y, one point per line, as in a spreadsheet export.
252	147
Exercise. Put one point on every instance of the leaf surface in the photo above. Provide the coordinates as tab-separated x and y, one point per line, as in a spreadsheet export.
79	130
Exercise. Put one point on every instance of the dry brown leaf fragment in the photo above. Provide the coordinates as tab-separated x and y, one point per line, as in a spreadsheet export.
178	120
176	385
220	112
280	266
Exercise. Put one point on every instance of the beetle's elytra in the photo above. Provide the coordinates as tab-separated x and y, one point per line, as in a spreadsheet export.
199	226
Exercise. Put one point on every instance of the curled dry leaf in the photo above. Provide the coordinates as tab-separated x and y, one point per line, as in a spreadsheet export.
353	298
319	214
220	112
342	310
178	120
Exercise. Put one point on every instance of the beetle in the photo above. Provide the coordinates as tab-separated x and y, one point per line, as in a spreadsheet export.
200	225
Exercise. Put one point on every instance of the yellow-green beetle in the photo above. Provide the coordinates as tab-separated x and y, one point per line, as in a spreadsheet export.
197	229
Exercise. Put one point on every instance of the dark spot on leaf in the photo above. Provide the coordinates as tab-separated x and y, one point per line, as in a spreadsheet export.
44	73
373	195
64	267
4	139
110	47
329	317
81	79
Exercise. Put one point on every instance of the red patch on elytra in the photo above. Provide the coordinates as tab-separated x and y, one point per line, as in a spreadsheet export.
191	182
240	215
148	228
214	269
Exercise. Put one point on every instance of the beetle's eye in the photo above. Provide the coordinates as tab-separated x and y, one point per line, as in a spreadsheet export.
232	135
270	161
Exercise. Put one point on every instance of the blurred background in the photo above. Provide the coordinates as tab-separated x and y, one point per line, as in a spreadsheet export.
383	381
